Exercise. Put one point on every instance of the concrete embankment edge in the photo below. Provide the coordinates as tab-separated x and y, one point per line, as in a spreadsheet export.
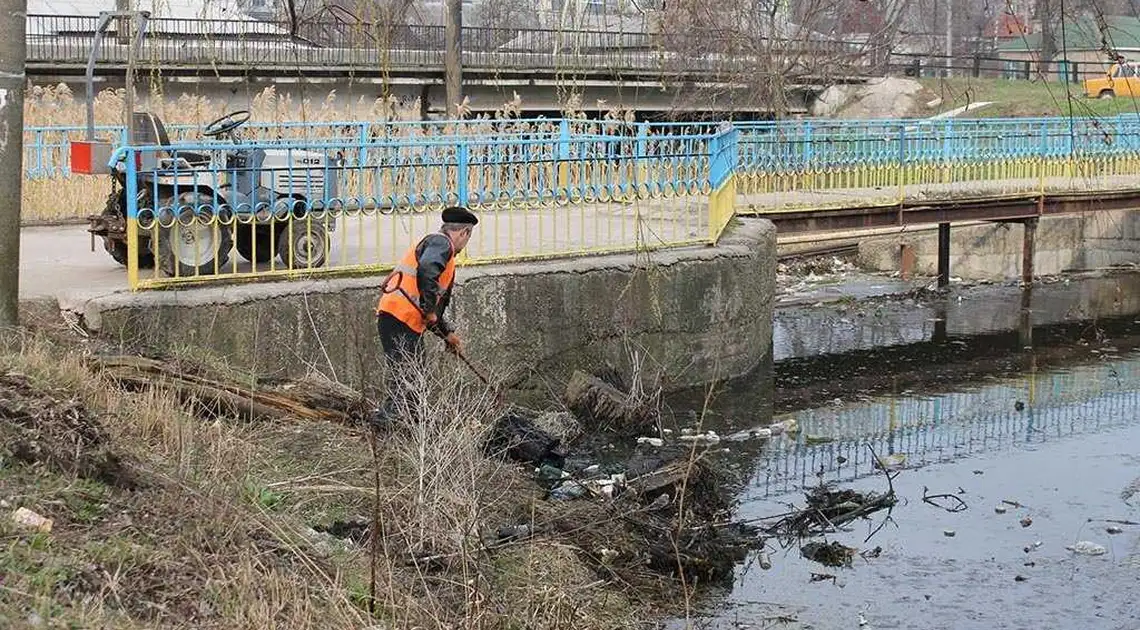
698	315
993	251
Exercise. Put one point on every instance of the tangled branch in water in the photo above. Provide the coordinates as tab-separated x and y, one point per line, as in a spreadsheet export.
829	509
956	502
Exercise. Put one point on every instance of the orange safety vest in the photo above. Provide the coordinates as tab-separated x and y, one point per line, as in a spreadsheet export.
401	298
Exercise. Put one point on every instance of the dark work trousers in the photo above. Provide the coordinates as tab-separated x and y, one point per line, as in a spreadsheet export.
403	350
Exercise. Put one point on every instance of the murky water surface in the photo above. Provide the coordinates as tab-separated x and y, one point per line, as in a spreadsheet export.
1048	421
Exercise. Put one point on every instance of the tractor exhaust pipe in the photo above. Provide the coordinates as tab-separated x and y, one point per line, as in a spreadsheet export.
105	17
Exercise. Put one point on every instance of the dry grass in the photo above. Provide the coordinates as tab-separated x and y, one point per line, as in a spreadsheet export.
213	524
56	105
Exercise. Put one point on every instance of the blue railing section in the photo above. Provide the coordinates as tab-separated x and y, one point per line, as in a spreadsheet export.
544	168
724	153
824	144
763	146
47	149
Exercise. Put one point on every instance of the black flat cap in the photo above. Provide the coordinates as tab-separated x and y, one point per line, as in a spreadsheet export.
456	214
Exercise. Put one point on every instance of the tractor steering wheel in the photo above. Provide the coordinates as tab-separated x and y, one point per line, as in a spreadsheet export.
226	123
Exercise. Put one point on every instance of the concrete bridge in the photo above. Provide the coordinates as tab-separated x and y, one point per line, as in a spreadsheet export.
646	71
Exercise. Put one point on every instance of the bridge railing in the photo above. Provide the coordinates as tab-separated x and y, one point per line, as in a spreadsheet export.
336	206
787	165
329	43
830	164
813	145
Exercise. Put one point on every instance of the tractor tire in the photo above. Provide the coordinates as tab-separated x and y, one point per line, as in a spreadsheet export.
195	244
247	237
118	251
307	245
118	248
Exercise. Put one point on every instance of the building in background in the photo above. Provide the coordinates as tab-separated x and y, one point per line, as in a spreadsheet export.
1088	49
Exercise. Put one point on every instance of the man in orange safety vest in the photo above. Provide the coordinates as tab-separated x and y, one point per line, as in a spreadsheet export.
412	301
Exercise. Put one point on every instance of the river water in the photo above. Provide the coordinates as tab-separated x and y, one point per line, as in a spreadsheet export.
972	395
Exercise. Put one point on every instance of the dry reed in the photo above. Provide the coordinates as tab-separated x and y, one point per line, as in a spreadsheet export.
221	526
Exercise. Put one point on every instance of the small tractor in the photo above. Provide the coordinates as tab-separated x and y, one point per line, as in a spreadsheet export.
200	201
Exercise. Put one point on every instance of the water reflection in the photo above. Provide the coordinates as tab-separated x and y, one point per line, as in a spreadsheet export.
1059	361
924	429
843	327
1039	389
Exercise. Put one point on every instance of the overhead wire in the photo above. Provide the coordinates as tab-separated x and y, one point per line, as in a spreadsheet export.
1112	51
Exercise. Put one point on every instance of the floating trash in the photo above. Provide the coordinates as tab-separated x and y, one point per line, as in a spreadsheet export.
831	555
891	462
1087	548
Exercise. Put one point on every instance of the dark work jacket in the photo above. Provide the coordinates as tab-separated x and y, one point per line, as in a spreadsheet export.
433	254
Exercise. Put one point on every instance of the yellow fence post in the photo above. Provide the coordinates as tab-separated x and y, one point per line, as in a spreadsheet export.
133	253
900	169
722	173
131	209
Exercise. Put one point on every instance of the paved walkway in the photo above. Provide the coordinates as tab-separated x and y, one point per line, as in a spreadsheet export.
60	259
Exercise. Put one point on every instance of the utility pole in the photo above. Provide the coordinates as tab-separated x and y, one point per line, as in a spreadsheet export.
13	56
949	36
453	56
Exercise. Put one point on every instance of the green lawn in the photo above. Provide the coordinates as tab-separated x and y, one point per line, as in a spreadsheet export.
1020	98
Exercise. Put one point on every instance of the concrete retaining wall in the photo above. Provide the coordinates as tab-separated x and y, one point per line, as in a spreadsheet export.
702	313
1112	238
992	251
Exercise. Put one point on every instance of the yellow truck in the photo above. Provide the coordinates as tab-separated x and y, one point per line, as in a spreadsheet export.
1122	79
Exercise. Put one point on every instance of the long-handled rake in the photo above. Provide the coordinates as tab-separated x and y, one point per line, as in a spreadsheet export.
499	388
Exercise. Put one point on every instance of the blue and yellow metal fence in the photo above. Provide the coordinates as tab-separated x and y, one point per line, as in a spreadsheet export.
557	187
292	209
770	147
807	165
47	148
724	154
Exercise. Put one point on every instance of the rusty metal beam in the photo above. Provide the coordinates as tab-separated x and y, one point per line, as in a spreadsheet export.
943	255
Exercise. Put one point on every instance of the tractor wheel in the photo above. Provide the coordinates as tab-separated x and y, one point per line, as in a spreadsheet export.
118	251
195	243
247	237
306	245
1107	94
118	248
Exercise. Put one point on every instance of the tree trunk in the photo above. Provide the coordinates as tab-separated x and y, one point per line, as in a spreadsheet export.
307	399
1046	16
605	408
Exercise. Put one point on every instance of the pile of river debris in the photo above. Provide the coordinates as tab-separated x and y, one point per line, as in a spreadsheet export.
662	509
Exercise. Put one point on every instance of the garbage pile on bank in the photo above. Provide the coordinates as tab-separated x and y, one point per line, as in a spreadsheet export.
667	506
663	509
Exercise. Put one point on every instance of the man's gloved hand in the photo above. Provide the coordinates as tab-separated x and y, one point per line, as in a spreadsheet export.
452	341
